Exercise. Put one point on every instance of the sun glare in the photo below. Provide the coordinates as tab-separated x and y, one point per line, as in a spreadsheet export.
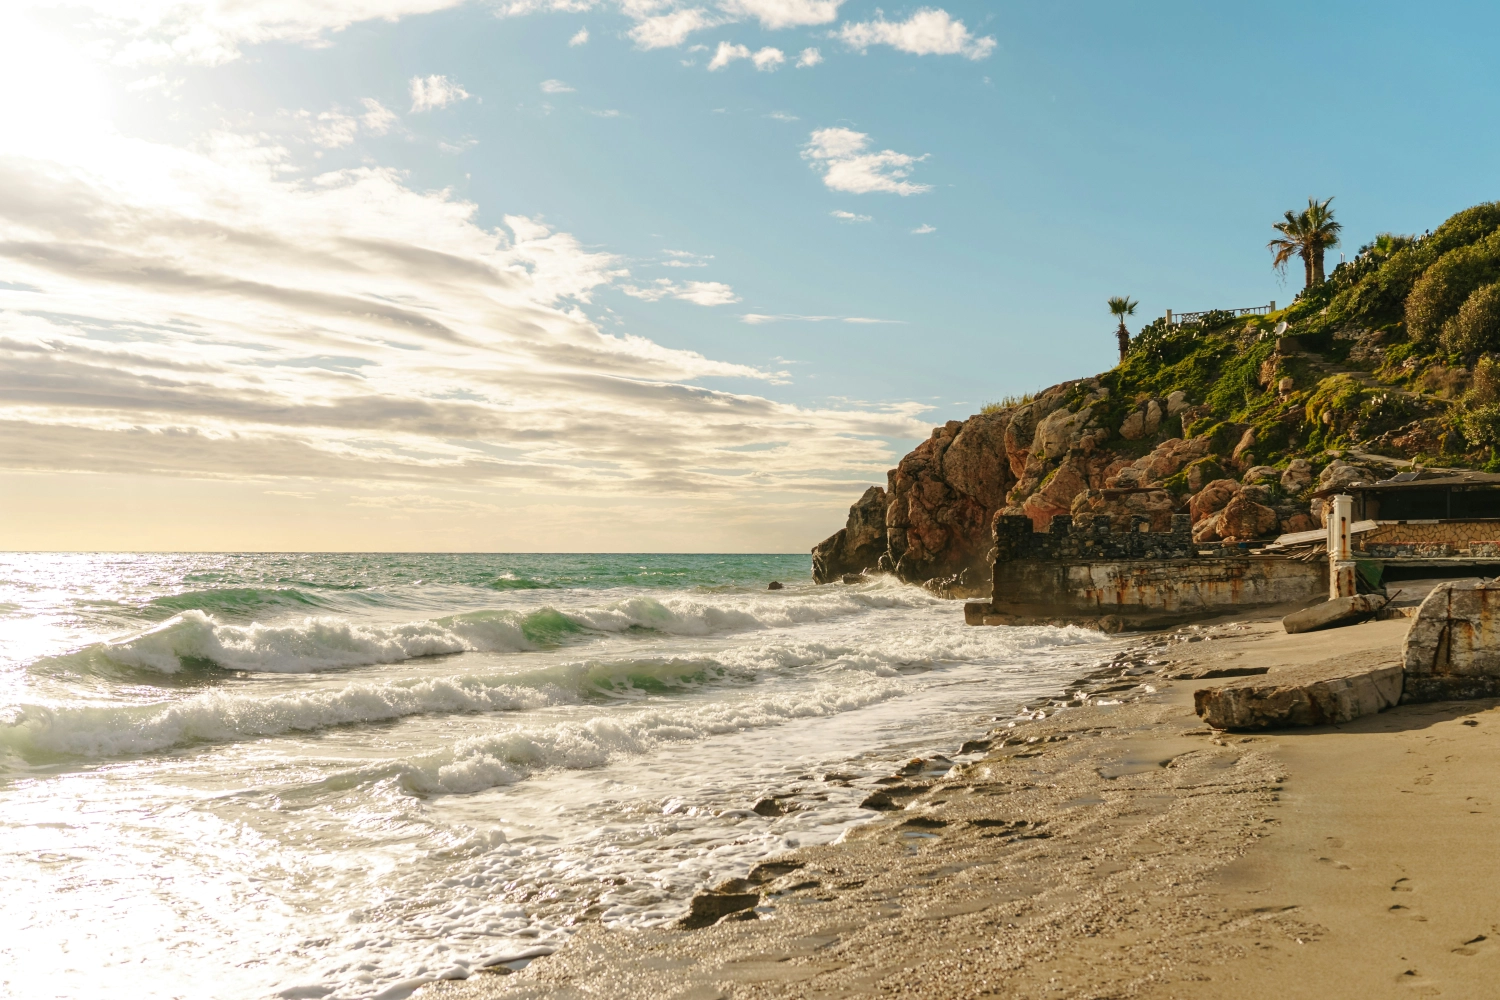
58	98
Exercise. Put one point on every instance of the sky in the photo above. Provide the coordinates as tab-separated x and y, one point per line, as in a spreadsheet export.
638	275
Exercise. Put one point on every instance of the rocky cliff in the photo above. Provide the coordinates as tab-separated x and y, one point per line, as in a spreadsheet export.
1235	420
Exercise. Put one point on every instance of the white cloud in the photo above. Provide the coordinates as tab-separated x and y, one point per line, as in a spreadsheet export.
212	32
671	29
581	38
702	293
727	54
844	216
249	323
783	116
766	60
923	230
333	129
776	14
377	119
847	165
555	87
605	113
809	57
684	258
435	92
929	31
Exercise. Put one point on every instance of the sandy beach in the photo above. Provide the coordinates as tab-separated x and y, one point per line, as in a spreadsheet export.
1121	850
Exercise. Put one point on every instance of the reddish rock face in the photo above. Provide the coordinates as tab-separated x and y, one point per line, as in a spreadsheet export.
857	546
1212	498
1242	520
932	522
1298	522
1123	508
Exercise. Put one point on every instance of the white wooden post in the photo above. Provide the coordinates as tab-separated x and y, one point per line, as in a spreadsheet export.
1340	553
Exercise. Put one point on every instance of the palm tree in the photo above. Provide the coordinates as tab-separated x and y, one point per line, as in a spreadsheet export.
1306	234
1122	306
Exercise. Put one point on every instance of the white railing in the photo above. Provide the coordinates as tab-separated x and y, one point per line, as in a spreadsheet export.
1194	317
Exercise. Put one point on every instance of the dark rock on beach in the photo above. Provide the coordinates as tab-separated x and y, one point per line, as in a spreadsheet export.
710	907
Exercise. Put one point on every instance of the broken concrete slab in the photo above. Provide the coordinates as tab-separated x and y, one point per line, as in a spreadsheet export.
1453	647
1336	613
1326	693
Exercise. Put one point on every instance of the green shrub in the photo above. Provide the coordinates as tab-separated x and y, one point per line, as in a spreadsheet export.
1238	383
1007	402
1486	388
1477	326
1466	227
1334	405
1442	289
1481	425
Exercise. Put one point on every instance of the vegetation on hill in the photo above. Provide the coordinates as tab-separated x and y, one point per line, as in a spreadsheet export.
1396	353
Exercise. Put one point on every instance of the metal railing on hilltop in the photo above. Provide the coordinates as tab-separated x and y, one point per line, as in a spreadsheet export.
1193	317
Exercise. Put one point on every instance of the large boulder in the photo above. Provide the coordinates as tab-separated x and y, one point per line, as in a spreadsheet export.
1056	493
1169	458
1337	613
1123	508
1452	649
1242	520
1297	477
1212	498
1142	422
858	545
1339	474
1328	693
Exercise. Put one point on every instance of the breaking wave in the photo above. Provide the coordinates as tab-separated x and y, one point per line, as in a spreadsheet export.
196	639
37	731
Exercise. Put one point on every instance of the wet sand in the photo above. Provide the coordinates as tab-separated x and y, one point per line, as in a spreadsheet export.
1124	851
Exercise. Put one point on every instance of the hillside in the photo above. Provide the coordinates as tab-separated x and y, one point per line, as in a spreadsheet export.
1389	362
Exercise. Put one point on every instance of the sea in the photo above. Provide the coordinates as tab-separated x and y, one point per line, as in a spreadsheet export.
250	775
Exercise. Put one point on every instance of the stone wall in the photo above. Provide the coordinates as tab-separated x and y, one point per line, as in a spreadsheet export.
1152	588
1394	539
1453	647
1086	570
1091	539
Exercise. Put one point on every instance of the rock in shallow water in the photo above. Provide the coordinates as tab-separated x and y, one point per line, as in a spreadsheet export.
710	907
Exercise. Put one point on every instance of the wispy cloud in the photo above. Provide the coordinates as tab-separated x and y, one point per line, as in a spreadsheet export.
775	14
684	258
844	216
783	116
435	92
766	60
580	38
556	87
847	164
702	293
924	229
670	30
930	31
809	57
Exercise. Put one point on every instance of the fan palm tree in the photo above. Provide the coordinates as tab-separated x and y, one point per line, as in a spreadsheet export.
1122	306
1306	234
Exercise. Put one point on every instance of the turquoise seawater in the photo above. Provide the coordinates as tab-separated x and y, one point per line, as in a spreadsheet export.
247	775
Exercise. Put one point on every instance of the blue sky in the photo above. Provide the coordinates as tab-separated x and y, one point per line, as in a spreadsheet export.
797	267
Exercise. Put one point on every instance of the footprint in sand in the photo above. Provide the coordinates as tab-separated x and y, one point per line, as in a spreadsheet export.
1467	948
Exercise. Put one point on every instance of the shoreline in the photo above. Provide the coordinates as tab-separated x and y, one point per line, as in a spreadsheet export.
1121	850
